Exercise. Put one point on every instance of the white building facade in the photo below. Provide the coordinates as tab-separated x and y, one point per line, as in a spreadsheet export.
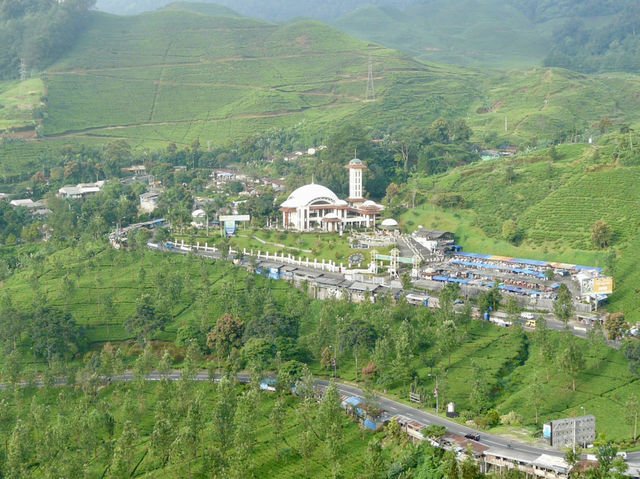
315	206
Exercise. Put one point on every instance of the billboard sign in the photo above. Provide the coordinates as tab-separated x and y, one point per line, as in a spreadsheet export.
603	285
230	227
599	285
238	218
546	431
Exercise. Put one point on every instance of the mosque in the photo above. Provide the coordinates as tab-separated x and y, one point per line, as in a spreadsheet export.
317	207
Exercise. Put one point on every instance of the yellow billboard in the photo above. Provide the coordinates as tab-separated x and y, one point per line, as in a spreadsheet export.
603	285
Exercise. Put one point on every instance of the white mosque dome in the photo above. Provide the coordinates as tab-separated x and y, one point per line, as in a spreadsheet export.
309	194
198	214
369	203
342	203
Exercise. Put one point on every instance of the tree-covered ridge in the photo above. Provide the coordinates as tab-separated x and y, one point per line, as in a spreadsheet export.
543	10
614	46
34	33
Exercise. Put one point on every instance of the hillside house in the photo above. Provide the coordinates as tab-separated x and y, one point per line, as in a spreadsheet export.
81	190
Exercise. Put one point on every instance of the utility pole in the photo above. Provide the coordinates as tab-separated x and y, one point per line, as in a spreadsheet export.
506	124
436	393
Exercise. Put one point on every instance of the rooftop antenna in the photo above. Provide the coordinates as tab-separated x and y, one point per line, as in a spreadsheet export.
370	94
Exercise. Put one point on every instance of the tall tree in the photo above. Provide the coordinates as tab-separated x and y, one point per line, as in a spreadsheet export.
224	412
571	359
448	339
276	418
147	320
226	335
122	463
632	411
479	395
563	306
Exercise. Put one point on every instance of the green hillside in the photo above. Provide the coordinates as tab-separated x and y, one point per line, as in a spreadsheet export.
101	289
175	75
468	32
554	203
211	9
553	104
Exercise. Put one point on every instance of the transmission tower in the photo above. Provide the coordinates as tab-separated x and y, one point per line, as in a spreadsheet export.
23	70
371	91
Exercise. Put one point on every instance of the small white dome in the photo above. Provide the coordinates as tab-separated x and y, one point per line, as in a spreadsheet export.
198	214
369	203
390	222
331	216
341	203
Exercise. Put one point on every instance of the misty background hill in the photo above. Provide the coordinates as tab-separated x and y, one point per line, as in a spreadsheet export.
583	35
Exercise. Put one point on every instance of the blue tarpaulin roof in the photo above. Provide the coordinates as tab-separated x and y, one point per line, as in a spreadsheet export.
476	265
354	401
475	255
450	280
530	272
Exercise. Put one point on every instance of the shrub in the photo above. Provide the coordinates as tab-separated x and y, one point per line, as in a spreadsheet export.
493	417
511	419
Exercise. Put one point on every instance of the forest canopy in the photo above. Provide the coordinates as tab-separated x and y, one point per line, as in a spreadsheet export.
612	47
37	32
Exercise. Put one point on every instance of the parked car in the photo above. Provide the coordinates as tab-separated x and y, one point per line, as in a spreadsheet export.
475	437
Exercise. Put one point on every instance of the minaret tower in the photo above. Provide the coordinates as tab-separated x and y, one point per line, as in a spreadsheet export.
355	168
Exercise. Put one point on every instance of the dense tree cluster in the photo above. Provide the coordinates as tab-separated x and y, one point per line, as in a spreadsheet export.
579	46
37	32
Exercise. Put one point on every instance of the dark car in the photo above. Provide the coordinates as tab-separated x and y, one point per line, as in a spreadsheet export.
475	437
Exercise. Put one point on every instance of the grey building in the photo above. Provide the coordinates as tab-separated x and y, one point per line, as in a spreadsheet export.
574	430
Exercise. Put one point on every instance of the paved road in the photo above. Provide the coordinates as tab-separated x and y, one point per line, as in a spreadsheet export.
490	440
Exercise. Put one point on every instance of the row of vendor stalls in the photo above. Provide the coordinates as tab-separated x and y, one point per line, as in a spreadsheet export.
323	285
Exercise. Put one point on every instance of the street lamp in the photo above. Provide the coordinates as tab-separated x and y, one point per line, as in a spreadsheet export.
436	393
